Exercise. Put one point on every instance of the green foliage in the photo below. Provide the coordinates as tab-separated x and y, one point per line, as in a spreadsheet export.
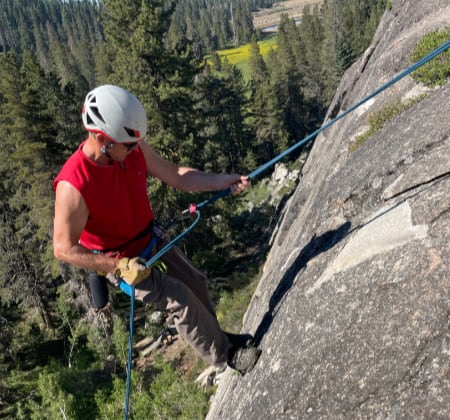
167	396
111	402
62	392
54	402
61	35
173	398
234	302
348	30
379	119
99	341
75	329
223	141
26	336
30	151
19	384
437	71
120	340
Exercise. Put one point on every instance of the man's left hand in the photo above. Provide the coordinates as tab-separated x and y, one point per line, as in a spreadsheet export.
132	270
240	185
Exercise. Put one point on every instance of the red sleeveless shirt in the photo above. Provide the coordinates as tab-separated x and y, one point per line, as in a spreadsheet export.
116	196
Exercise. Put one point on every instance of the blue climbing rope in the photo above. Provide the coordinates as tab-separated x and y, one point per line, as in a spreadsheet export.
194	209
130	290
130	350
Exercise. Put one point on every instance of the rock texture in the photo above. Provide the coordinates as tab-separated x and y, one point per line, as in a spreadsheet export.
352	310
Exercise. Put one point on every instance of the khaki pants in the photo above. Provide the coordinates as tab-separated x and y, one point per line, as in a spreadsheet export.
183	292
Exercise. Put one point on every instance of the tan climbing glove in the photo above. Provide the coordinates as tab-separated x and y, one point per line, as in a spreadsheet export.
132	270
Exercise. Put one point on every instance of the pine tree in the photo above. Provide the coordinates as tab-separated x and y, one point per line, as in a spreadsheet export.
31	154
222	103
267	117
161	79
258	68
288	80
309	60
243	23
331	69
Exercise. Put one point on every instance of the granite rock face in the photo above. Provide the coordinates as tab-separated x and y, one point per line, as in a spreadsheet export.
352	310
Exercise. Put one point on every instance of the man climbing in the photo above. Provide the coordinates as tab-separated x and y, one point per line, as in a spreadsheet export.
103	221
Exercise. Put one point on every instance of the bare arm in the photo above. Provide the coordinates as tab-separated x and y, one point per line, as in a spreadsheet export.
71	214
189	179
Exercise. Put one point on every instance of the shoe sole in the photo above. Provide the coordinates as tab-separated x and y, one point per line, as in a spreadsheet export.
246	360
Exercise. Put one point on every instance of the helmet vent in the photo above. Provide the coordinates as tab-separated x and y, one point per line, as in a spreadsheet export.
96	112
89	119
131	133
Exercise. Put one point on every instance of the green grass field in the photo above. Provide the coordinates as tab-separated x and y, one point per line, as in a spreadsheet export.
239	56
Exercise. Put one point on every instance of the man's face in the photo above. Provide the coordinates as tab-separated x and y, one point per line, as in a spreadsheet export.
116	151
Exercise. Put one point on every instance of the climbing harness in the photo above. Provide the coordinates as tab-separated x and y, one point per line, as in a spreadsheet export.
194	208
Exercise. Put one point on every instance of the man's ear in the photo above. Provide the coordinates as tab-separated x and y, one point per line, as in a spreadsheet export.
100	138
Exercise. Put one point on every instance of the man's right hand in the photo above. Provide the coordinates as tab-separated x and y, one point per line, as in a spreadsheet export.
132	270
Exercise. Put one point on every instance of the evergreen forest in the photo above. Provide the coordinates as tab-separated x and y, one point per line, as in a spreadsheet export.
59	358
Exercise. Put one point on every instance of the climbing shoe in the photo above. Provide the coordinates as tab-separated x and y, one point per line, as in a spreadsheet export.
243	359
167	335
240	340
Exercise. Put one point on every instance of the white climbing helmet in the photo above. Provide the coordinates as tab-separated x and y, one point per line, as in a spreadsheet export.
115	113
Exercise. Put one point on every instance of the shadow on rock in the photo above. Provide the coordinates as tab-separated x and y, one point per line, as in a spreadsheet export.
316	246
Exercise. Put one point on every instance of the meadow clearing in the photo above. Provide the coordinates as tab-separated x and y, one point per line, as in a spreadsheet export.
239	56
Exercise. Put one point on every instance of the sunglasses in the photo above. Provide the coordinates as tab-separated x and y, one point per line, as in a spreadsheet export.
129	146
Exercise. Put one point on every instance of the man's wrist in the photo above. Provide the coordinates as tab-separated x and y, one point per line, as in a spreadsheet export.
114	261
